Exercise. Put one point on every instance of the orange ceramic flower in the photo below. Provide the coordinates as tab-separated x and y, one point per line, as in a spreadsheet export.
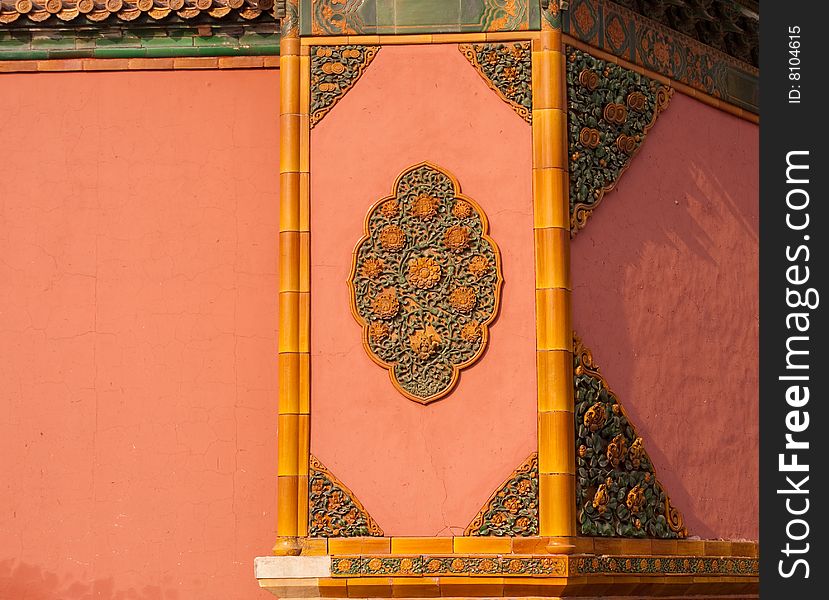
374	564
524	486
616	450
392	238
461	209
351	516
512	504
335	500
425	342
425	207
372	267
386	305
600	499
478	266
488	565
471	331
499	518
456	238
636	452
389	208
595	417
635	499
424	272
378	331
463	299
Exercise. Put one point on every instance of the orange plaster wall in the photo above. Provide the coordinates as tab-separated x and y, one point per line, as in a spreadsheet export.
665	294
138	219
420	470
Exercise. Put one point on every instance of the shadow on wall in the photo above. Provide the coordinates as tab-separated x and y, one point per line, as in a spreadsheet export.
21	581
677	206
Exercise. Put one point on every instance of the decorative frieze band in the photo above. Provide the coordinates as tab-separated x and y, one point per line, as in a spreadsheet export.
511	565
687	59
458	565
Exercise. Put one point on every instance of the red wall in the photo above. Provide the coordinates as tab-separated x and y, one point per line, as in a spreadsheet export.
665	293
138	219
421	470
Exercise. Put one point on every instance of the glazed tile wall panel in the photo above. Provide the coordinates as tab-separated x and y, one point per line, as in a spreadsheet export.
425	283
654	46
351	17
681	289
418	468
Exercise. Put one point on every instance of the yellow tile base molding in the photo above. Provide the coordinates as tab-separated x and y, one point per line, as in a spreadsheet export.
512	568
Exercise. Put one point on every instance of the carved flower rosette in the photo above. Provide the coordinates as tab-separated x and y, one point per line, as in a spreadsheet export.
425	282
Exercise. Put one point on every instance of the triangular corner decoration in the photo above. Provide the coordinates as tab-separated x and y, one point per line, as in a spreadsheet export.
512	510
334	71
333	510
617	491
610	111
507	69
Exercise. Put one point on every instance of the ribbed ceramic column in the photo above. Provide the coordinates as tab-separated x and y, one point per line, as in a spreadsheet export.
554	330
294	291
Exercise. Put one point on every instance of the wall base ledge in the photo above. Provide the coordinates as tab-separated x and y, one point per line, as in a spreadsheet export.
576	576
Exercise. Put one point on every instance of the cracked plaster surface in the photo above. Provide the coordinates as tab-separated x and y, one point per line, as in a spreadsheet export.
138	219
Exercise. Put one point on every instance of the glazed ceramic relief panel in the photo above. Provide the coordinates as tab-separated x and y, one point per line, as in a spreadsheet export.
665	296
422	318
352	17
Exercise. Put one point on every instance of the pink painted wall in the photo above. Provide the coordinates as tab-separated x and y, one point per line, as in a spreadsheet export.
665	282
420	470
138	219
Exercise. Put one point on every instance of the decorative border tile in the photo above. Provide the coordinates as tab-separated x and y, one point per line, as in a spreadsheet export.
383	565
334	71
610	110
646	43
333	510
665	565
455	565
512	510
617	491
507	70
391	565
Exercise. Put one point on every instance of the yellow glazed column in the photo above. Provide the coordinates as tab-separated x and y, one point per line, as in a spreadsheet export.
554	330
294	291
